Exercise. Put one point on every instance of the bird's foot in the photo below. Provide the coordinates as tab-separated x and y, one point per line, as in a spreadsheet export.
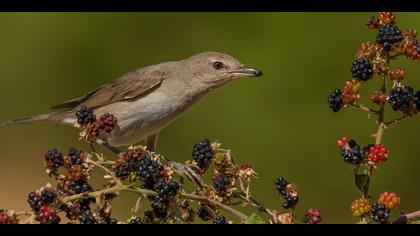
109	146
187	171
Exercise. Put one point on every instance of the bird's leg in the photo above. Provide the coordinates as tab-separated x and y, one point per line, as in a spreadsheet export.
151	143
109	146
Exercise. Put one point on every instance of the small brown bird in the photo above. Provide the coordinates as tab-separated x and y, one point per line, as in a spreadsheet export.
148	99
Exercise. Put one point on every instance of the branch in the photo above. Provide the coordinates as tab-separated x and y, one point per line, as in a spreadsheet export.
364	108
407	217
146	192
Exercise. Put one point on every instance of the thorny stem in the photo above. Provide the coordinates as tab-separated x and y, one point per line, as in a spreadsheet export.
146	192
407	217
254	203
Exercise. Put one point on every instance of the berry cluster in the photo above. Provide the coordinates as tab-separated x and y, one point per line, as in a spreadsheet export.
221	184
389	199
85	116
204	213
167	191
362	69
53	159
7	217
377	153
220	220
41	202
106	123
379	211
137	163
202	153
335	100
312	216
388	35
402	98
351	152
360	207
288	192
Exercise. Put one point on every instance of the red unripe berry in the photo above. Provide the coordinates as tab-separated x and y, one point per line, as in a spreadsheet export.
3	218
390	199
342	141
378	153
387	18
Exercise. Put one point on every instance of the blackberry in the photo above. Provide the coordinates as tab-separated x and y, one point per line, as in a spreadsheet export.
48	196
107	122
75	156
380	213
80	186
281	184
290	201
202	153
402	98
48	216
169	190
160	207
417	100
122	169
388	35
220	220
86	217
204	214
335	100
149	172
221	183
85	116
362	69
108	221
135	221
354	154
54	158
34	200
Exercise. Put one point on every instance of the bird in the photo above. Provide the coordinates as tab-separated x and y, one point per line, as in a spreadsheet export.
148	99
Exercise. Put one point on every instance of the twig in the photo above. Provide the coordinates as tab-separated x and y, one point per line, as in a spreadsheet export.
407	217
392	122
364	108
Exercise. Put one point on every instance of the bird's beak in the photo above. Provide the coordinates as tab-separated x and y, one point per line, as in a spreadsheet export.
245	71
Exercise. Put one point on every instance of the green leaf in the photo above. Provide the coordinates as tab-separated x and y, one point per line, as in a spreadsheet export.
361	180
254	219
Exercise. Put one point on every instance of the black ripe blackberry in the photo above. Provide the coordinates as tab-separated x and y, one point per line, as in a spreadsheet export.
86	217
75	156
354	154
85	116
166	191
281	184
108	221
122	169
34	200
202	153
80	186
335	101
160	207
402	98
417	100
388	35
362	69
290	201
380	213
220	220
48	196
221	183
204	214
149	172
169	190
135	221
54	158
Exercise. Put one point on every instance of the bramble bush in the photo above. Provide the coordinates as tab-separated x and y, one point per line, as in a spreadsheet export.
160	184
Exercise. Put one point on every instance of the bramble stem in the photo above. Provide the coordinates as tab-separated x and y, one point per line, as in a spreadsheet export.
407	217
146	192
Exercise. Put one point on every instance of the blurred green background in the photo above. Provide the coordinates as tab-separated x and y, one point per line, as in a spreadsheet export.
281	123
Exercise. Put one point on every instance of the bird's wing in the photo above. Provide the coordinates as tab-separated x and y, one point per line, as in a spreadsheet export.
131	85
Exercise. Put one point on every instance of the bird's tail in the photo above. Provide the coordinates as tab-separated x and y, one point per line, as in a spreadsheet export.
55	117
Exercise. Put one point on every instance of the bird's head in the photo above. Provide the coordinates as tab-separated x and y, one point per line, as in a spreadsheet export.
214	69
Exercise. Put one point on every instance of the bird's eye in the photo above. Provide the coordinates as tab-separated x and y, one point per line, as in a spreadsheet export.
217	65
